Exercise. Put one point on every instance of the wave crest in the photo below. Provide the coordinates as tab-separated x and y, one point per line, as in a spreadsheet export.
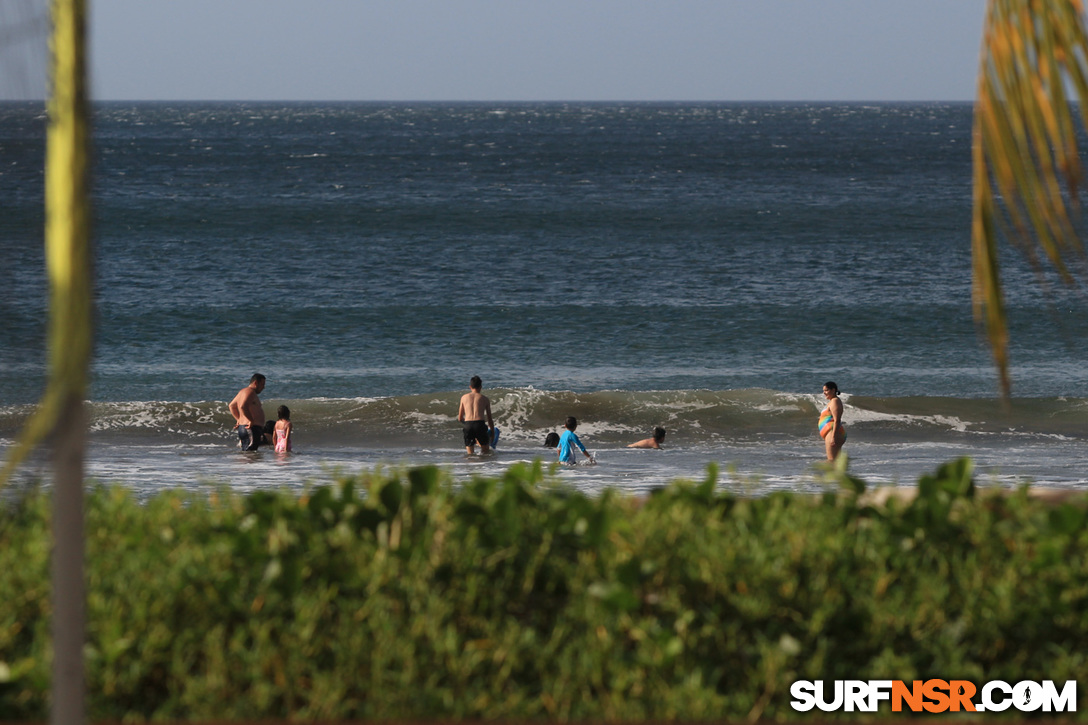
526	415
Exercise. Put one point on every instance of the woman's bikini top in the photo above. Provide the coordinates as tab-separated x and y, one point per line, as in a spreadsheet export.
826	420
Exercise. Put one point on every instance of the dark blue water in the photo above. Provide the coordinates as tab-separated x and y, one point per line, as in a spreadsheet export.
390	251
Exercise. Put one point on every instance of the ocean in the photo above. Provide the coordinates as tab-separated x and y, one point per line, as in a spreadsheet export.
705	267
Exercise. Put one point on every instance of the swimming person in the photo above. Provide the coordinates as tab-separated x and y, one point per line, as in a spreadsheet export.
830	425
655	442
269	432
568	441
281	434
475	416
248	414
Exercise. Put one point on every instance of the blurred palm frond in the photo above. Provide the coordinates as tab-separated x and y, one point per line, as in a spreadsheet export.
1027	170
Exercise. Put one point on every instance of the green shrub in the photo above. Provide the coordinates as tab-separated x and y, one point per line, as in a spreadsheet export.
408	596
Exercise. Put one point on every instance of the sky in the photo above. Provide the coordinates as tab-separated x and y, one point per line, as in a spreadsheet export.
539	50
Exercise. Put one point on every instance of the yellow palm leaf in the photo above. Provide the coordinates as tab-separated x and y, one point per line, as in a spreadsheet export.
67	237
1027	171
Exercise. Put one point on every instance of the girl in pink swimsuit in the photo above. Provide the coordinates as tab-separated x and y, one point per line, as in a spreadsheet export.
281	435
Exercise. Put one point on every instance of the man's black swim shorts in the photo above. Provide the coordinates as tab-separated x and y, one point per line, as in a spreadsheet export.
476	432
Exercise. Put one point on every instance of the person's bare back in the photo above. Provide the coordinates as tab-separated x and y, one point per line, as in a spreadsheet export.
246	407
474	406
655	442
474	413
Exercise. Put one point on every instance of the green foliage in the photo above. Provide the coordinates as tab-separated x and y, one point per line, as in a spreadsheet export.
406	596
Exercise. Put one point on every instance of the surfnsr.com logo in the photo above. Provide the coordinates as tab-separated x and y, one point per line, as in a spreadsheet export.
933	696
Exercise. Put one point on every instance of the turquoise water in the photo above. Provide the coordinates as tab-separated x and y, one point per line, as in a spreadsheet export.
701	266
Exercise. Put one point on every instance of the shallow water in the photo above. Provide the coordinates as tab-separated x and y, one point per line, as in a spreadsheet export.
705	267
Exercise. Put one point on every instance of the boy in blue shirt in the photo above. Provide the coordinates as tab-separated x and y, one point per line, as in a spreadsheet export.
568	441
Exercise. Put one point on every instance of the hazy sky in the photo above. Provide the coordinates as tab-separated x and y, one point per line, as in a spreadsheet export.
496	50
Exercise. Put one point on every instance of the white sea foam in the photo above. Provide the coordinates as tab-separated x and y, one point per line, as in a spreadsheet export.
861	415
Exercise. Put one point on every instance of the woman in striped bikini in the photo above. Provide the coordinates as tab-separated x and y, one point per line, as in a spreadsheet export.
831	428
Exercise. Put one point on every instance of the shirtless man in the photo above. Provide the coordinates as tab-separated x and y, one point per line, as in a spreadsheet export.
248	414
474	410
